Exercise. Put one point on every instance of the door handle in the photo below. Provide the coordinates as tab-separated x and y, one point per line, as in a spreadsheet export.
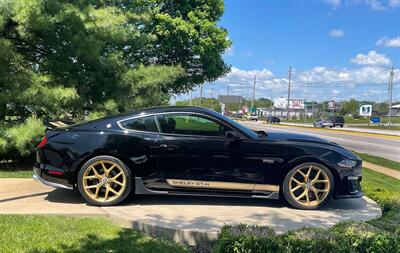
168	147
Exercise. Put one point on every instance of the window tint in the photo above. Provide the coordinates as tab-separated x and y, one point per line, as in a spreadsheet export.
191	125
147	124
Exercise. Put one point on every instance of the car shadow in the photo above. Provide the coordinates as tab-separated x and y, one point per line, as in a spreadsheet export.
74	197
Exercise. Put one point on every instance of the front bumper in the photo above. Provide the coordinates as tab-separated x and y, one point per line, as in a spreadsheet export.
349	185
48	180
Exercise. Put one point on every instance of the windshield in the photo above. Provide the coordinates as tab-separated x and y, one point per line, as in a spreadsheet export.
241	128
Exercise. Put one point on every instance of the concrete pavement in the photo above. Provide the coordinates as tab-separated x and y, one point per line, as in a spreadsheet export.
190	220
383	146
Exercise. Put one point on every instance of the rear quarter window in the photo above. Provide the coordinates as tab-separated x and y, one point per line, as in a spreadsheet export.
146	124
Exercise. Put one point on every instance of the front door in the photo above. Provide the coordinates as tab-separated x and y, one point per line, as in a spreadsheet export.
191	147
194	152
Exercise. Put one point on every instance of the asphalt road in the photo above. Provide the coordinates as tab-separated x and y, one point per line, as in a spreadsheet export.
386	147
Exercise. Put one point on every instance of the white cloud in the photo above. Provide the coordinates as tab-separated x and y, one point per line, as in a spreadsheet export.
334	3
230	51
372	92
394	3
247	54
336	33
389	42
335	92
372	58
239	75
380	5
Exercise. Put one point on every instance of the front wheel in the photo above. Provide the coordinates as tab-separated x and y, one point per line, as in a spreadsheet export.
308	186
104	181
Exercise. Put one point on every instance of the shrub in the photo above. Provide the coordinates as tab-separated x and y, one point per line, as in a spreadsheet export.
20	140
310	240
378	235
364	237
247	239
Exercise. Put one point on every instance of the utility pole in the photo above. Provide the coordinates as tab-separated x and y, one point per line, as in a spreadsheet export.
228	89
288	95
254	92
190	101
212	92
390	93
201	94
305	105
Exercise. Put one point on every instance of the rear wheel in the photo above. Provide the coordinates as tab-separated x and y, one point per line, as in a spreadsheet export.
104	181
308	186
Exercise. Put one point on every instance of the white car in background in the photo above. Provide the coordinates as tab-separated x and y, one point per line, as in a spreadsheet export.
252	117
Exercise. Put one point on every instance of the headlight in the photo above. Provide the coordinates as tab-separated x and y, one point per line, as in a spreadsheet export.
347	163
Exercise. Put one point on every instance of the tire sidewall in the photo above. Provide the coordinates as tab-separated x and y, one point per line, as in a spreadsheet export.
288	197
127	172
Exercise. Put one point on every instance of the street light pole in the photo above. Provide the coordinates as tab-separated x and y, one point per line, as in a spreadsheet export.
390	91
254	92
288	100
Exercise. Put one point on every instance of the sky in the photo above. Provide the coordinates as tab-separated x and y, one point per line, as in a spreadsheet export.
338	49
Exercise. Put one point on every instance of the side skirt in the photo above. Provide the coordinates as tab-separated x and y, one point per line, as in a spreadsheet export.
141	189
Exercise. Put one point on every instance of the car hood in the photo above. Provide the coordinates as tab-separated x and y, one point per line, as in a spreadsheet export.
302	138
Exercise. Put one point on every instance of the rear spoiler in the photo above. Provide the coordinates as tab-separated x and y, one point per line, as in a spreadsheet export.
51	126
58	123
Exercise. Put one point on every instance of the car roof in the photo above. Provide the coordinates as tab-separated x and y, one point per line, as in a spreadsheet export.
144	112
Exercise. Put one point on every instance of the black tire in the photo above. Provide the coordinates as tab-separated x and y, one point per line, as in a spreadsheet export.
124	193
288	196
341	126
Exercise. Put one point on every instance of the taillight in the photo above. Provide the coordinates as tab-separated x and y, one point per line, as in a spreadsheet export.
42	143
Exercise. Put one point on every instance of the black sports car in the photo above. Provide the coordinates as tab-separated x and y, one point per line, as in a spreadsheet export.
193	151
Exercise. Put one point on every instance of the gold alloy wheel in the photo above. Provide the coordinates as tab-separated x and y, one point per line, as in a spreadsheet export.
104	181
309	185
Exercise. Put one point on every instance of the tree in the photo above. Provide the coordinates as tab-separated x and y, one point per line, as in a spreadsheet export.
211	103
64	58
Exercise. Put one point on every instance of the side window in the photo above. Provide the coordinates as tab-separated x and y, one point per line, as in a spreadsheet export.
191	125
147	124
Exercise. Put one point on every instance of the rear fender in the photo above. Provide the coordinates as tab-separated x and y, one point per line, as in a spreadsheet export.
87	157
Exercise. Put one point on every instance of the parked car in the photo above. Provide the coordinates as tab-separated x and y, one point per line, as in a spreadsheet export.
323	123
252	117
193	151
337	121
273	119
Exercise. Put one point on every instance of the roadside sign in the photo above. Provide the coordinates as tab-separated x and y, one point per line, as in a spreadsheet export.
230	99
375	120
253	109
365	110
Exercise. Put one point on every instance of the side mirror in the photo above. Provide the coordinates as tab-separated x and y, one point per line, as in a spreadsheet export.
262	133
232	135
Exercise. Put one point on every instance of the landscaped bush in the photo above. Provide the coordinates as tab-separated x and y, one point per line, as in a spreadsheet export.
20	141
246	238
378	235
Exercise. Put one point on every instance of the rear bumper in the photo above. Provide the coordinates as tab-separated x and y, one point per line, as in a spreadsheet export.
48	180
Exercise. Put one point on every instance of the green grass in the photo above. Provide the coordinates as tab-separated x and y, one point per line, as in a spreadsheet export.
388	183
16	173
380	161
65	234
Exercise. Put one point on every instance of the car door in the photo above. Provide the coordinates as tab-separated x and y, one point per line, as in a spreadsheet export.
191	147
197	152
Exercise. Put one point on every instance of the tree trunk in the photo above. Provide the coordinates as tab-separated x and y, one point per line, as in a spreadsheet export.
3	109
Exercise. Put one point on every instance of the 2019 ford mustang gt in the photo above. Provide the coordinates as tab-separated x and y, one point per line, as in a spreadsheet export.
193	151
